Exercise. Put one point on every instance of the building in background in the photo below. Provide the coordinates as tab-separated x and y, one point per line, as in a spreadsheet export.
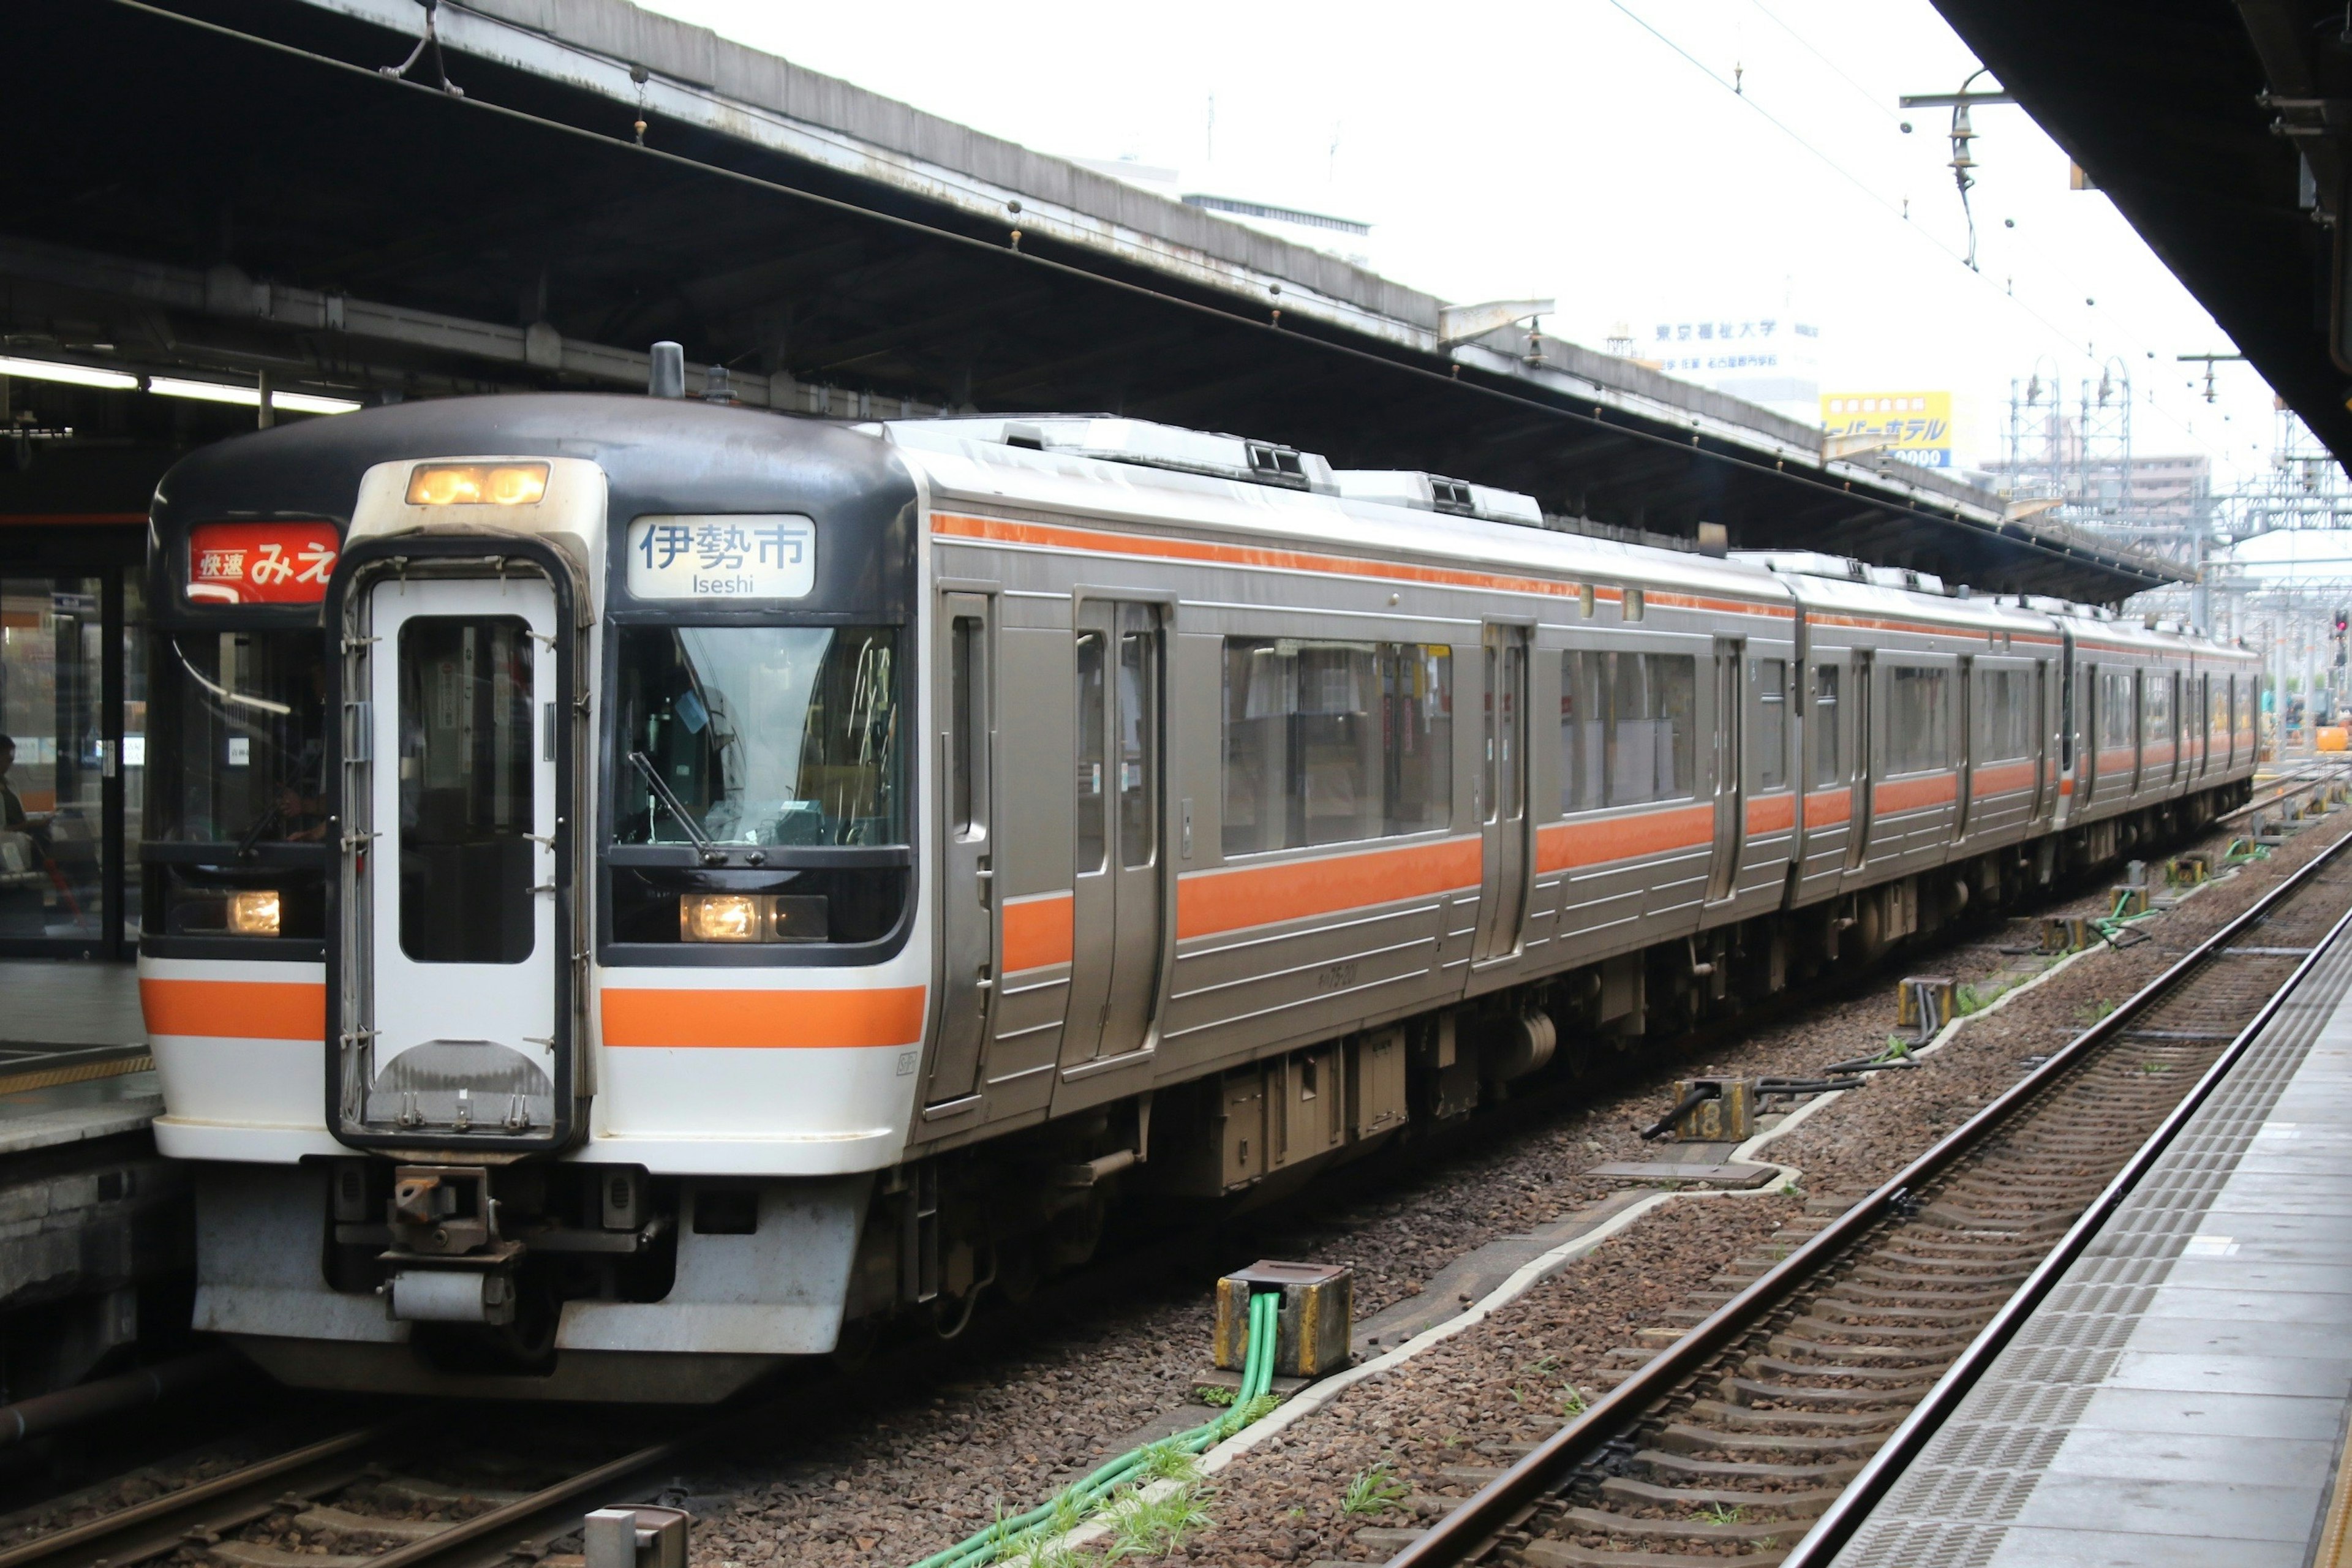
1913	428
1762	355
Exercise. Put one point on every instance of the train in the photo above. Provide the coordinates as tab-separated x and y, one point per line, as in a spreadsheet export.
638	891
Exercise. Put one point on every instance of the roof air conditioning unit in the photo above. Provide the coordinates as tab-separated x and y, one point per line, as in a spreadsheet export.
1435	492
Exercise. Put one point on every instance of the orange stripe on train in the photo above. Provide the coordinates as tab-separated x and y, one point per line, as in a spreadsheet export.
1830	807
236	1009
1563	846
1038	930
1208	902
769	1020
2007	776
955	525
1909	794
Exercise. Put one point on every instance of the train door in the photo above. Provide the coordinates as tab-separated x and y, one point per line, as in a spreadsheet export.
2139	730
2042	793
1730	789
2071	676
2202	688
1119	890
1965	785
459	978
2176	727
1865	701
1503	796
964	708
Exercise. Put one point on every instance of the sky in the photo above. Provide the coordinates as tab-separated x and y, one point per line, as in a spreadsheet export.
1634	160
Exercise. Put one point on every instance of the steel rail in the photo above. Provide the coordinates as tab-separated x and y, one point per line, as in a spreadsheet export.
1838	1523
2311	776
1469	1530
156	1526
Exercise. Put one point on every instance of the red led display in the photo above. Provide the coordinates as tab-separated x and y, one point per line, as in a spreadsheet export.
261	563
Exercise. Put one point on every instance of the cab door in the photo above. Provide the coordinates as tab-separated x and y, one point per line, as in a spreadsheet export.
1503	796
452	961
1730	786
1119	888
964	705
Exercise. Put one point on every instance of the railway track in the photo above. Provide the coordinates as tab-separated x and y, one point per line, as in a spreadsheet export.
393	1494
1760	1436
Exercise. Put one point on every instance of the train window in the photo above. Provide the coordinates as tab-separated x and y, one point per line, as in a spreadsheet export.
760	736
1091	758
1919	728
247	710
1632	604
763	734
1138	691
1329	742
1771	738
964	744
2118	721
1626	727
252	713
1584	598
2159	712
1826	768
465	787
2005	716
2218	725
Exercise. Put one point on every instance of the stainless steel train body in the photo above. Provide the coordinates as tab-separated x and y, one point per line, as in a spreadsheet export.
640	889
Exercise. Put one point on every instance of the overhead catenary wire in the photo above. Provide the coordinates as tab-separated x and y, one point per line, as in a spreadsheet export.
2082	347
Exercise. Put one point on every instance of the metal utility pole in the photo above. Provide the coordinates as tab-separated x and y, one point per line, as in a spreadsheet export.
2209	360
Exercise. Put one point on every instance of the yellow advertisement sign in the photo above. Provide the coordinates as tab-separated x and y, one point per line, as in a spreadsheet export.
1915	425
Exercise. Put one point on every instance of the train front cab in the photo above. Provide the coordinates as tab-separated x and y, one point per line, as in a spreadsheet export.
534	965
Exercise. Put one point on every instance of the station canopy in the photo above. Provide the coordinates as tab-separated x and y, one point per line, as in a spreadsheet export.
2221	134
242	189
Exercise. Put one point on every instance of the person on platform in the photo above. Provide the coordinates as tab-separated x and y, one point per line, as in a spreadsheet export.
13	818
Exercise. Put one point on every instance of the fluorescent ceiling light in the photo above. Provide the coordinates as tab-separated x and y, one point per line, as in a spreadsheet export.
248	396
205	391
72	374
311	403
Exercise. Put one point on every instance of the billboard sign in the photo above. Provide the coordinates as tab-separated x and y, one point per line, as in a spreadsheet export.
1915	425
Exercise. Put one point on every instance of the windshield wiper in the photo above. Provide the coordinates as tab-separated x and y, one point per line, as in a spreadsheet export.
253	835
711	854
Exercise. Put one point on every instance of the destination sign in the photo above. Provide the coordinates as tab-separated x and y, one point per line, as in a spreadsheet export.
261	563
722	556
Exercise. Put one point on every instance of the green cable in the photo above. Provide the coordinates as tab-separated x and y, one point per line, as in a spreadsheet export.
1258	1378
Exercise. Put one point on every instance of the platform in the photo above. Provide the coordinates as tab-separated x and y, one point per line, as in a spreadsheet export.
2181	1396
73	1053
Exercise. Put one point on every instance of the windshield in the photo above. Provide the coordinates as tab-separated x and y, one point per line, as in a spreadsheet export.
784	735
243	725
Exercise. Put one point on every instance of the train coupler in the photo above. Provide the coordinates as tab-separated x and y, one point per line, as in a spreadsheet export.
441	1293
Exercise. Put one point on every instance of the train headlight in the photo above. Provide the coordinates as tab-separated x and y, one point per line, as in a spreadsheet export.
723	917
254	913
476	484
